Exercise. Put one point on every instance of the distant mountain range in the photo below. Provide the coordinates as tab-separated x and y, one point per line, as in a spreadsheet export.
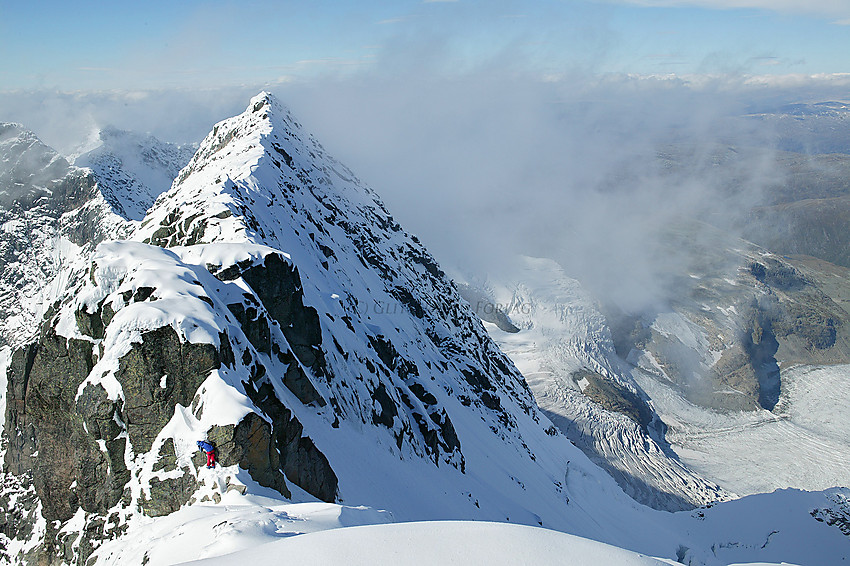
809	128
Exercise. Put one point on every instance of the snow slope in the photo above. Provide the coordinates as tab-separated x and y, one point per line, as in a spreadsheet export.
452	543
238	524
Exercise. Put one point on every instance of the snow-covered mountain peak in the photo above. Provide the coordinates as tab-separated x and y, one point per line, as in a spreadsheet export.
259	179
10	131
48	210
264	136
29	169
133	169
270	293
263	122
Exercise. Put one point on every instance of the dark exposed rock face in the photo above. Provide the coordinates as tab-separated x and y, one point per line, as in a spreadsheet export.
18	509
54	432
615	397
297	381
443	437
761	346
250	445
254	324
172	233
148	404
48	442
289	451
277	284
836	515
46	433
169	494
48	421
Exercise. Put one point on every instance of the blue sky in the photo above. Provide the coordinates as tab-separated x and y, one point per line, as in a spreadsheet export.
158	44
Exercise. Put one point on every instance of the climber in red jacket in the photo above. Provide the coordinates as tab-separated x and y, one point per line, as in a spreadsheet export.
209	450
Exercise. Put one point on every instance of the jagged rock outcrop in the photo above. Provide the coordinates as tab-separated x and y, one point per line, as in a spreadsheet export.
613	397
48	436
288	451
278	286
157	375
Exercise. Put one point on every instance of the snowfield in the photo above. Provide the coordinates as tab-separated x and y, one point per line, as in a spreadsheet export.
266	530
239	524
448	543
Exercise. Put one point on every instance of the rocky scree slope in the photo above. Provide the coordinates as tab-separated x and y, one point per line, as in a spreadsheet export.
735	320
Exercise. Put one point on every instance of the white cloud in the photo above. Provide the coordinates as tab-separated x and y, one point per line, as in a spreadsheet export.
826	8
830	84
482	165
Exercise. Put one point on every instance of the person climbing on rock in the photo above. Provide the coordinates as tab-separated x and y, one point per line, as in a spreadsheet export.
209	450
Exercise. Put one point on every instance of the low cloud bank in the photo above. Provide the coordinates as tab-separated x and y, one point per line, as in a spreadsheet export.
484	165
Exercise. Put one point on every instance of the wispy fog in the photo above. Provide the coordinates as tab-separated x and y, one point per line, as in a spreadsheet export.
585	170
67	121
484	165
